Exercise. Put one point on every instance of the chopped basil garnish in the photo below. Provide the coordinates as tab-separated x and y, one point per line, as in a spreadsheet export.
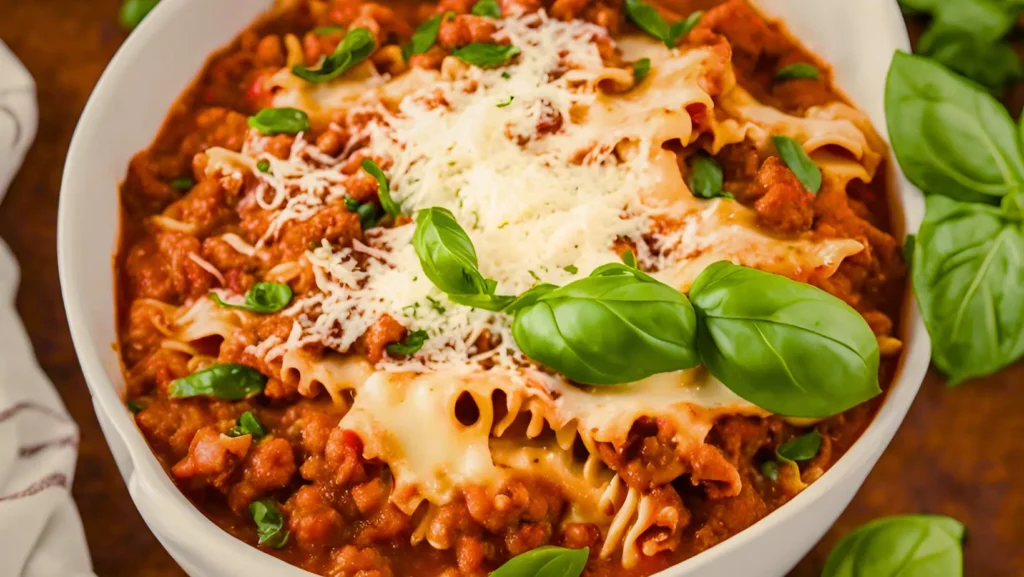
682	28
505	102
328	30
271	121
263	166
486	8
133	11
357	46
248	424
770	470
426	35
485	55
706	178
571	269
263	298
648	19
410	345
797	71
351	204
228	381
795	157
369	215
133	407
269	523
183	183
641	68
546	562
802	448
383	189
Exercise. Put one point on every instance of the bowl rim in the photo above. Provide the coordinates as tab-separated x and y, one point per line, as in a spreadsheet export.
182	521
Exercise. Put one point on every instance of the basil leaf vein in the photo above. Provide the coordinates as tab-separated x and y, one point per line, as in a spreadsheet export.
262	297
546	561
232	382
908	544
271	121
357	46
795	157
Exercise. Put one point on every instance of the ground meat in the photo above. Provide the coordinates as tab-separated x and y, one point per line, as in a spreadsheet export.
343	455
465	29
188	278
171	425
669	519
140	337
311	519
785	207
212	457
578	535
648	458
147	273
740	163
351	561
222	255
335	224
383	332
157	370
215	127
750	36
206	207
268	467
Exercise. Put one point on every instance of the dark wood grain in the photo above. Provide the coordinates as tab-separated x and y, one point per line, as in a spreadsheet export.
960	452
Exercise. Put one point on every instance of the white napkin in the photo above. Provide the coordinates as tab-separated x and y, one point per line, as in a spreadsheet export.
40	531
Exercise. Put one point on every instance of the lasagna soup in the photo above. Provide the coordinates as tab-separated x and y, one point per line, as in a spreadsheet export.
414	289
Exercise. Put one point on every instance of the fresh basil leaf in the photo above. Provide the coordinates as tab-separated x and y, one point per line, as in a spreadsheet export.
357	46
327	30
487	302
133	11
680	29
248	424
227	381
571	269
706	178
991	63
351	204
641	68
447	254
369	215
967	275
263	298
770	470
383	189
270	121
769	339
505	102
629	259
485	55
529	297
988	19
487	9
426	35
950	136
648	19
263	166
182	184
134	407
269	523
546	562
607	329
412	343
795	157
1013	206
802	448
903	546
797	71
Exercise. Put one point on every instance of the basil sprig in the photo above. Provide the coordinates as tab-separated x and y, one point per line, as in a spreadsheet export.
263	297
950	136
226	381
357	46
248	424
706	178
486	55
487	9
412	343
383	189
641	68
449	260
647	18
786	346
426	35
902	546
968	276
271	121
546	562
797	71
802	448
795	157
133	11
269	523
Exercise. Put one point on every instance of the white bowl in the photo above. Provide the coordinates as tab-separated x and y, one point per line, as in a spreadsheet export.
127	108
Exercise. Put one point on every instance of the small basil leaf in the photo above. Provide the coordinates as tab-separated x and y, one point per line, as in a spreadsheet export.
608	329
802	448
641	68
133	11
182	183
648	19
486	55
546	562
950	136
795	157
571	269
770	339
629	259
357	46
270	121
505	102
770	470
263	166
134	407
369	215
426	35
706	178
967	275
383	189
269	523
904	545
412	343
486	8
797	71
327	30
227	381
263	298
446	253
680	29
248	424
351	204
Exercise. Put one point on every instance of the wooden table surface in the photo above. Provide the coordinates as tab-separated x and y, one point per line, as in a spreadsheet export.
960	452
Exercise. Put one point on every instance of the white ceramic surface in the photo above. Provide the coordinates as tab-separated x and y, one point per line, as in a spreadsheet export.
125	111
